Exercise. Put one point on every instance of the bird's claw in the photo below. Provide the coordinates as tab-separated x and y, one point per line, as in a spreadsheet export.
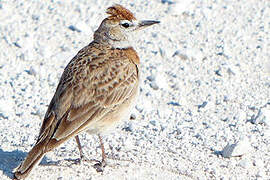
99	166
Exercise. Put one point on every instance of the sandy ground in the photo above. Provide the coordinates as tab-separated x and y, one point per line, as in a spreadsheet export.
205	79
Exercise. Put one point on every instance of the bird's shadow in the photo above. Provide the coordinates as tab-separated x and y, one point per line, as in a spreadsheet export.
10	160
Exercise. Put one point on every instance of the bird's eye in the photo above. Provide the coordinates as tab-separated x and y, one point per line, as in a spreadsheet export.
125	25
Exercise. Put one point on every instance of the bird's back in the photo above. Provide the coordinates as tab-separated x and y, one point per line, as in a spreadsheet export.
96	80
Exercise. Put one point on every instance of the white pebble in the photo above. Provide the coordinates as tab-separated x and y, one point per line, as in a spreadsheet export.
260	174
151	78
139	108
238	149
82	26
245	163
6	108
266	118
242	115
154	85
266	67
178	7
161	80
259	163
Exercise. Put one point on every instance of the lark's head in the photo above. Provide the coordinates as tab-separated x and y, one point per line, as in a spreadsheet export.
117	29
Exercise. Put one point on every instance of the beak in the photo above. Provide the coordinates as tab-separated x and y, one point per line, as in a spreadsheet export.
143	24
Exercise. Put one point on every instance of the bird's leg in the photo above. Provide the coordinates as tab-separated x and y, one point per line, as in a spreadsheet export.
100	165
102	150
82	157
80	147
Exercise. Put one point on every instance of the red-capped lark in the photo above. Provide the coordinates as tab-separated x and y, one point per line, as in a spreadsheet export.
97	89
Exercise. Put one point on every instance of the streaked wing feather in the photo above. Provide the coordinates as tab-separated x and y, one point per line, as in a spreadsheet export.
101	102
87	101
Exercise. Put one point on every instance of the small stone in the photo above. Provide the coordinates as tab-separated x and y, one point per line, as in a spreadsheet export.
151	78
230	71
218	72
6	108
179	7
182	56
262	117
132	116
242	115
266	67
161	80
259	163
236	150
35	17
74	28
266	116
83	27
167	1
260	174
202	105
128	127
244	163
17	45
173	103
162	52
31	71
139	108
153	122
154	85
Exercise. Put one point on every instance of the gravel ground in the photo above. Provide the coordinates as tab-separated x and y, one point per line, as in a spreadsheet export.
205	79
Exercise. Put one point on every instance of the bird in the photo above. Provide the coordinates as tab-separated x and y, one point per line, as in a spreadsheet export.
97	89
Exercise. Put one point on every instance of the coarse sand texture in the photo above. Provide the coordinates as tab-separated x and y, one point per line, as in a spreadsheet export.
203	110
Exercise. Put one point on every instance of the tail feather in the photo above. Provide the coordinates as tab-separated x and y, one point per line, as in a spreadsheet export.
36	154
45	144
33	158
